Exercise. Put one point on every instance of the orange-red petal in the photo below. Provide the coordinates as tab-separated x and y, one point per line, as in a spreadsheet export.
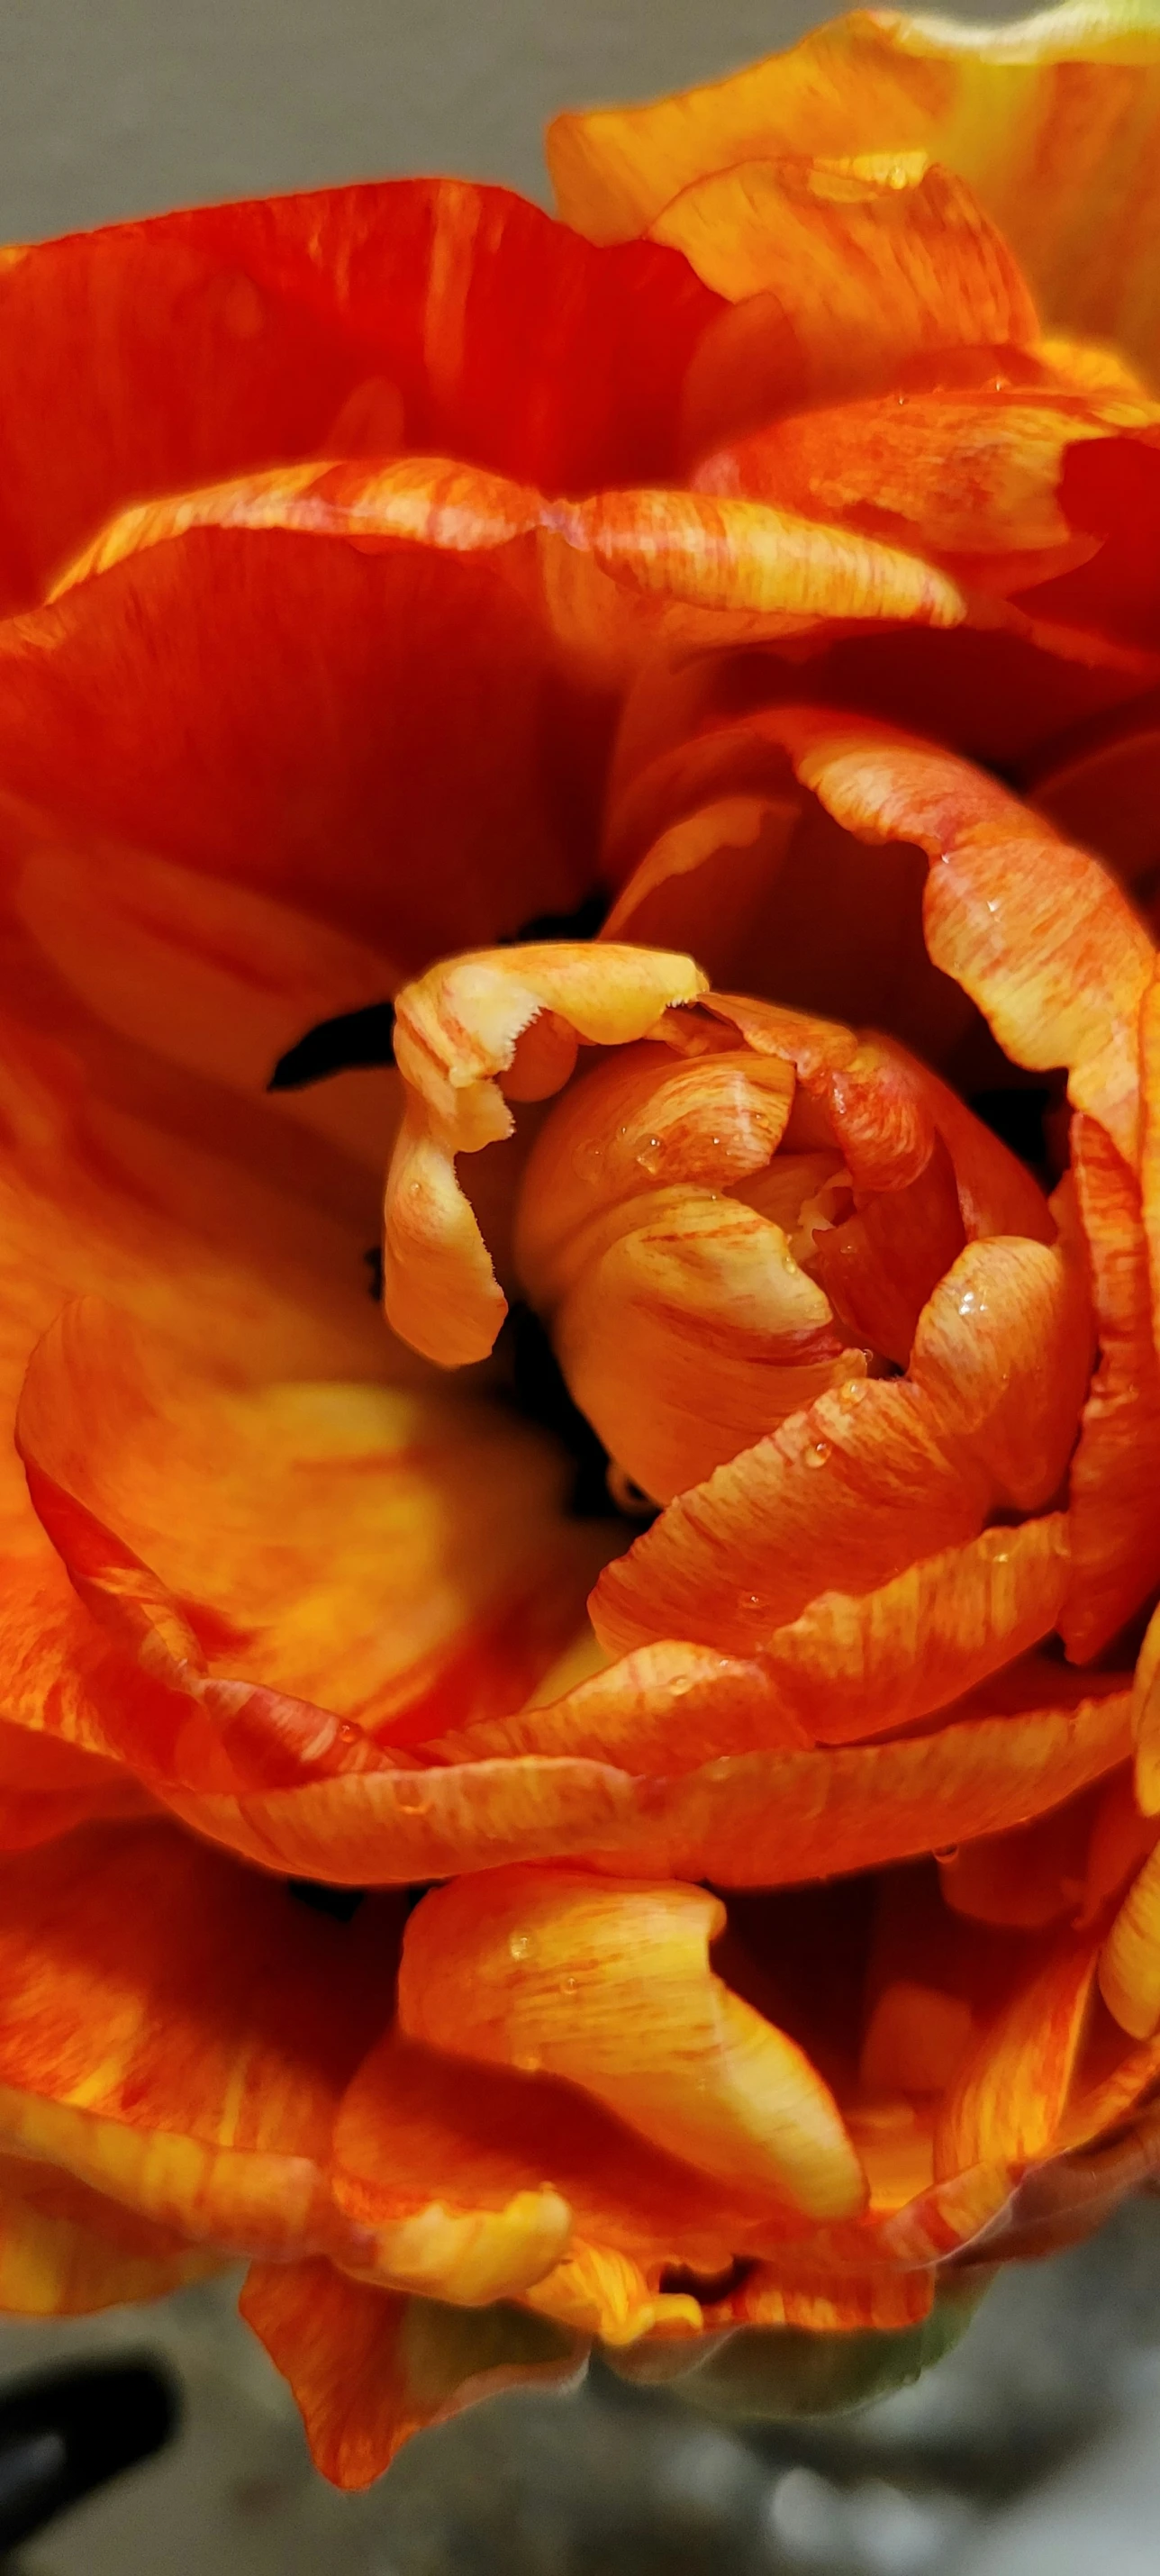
369	2368
611	1988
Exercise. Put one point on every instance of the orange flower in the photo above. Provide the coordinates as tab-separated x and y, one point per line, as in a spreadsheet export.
728	632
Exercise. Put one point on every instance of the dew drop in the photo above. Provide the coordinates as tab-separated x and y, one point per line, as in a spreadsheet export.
569	1985
410	1798
520	1945
946	1854
528	2060
818	1453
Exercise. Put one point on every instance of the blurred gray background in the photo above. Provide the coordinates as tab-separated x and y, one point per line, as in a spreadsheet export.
123	107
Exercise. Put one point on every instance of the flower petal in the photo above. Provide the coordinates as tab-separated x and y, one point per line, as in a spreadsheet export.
874	1475
1130	1958
850	1667
843	274
350	321
371	1493
369	2368
1035	931
415	2147
175	2033
66	2250
456	1031
1010	2098
1052	123
1113	1525
612	1990
778	1819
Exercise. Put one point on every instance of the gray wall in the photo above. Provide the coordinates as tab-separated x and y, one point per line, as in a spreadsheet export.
121	107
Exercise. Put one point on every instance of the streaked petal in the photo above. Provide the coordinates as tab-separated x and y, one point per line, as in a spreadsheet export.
1113	1523
852	1666
611	1988
843	274
414	313
1011	2096
1130	1958
1034	930
875	1475
369	2368
778	1819
418	2146
175	2032
456	1032
65	2250
371	1492
1052	123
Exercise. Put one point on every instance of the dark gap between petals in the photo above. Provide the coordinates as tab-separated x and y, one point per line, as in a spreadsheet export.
341	1903
1017	1116
583	923
536	1388
708	2287
353	1038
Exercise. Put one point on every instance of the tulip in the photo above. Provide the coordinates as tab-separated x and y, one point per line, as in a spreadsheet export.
615	1798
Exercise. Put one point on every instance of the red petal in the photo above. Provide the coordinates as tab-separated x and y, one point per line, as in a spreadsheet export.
424	313
369	2368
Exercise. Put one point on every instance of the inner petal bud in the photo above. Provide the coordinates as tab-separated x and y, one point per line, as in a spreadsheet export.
684	1320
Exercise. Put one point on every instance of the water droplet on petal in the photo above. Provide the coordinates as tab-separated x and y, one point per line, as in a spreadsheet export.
528	2060
411	1798
569	1985
520	1945
947	1853
818	1453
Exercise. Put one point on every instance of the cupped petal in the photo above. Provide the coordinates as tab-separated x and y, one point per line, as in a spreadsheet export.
1034	930
874	1476
1051	122
423	2157
612	1989
843	275
175	2033
369	2368
457	1033
414	313
1009	2101
1113	1523
324	1586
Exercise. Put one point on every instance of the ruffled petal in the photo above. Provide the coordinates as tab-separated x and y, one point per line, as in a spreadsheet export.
1034	930
778	1819
418	313
849	1668
369	2368
175	2033
876	1475
843	275
457	1032
1113	1523
1053	124
428	2164
612	1990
